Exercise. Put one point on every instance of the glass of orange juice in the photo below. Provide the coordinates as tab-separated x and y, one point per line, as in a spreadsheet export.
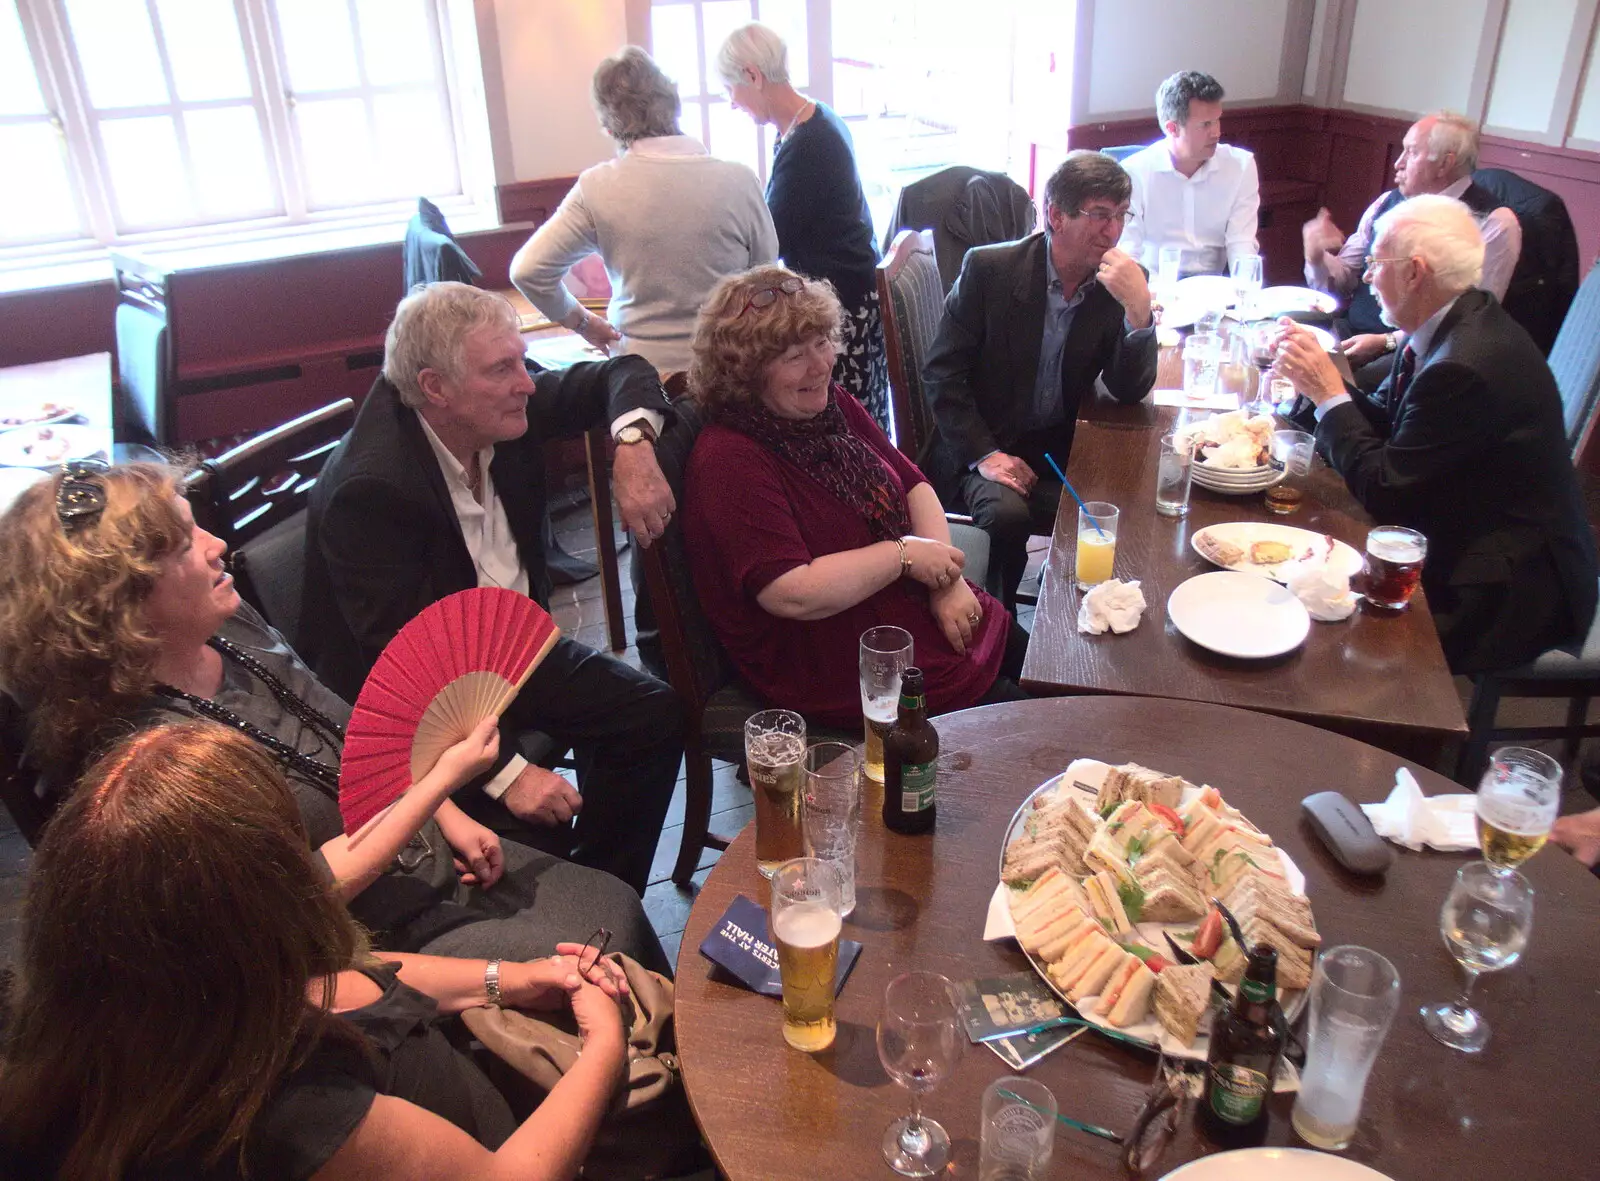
1097	542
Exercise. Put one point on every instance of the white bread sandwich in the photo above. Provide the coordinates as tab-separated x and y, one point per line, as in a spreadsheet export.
1181	996
1093	978
1133	782
1170	895
1061	934
1112	988
1106	903
1048	892
1132	1005
1086	947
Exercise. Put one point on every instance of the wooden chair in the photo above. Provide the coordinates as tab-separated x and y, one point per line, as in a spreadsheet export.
254	498
1575	361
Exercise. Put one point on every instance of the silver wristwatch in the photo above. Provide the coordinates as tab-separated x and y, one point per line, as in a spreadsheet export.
491	984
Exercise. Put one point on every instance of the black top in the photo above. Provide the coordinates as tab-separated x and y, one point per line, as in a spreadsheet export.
404	908
402	1051
814	193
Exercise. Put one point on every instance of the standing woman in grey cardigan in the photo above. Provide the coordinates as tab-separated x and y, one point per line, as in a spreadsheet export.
814	192
667	219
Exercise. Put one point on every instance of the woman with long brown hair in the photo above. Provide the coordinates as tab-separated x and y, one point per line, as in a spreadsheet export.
116	613
194	1001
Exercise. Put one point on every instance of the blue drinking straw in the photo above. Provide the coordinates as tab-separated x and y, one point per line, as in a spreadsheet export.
1056	467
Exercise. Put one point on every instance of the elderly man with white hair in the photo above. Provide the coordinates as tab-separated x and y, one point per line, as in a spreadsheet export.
1463	442
1437	155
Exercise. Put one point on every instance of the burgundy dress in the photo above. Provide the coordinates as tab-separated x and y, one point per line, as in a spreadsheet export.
750	517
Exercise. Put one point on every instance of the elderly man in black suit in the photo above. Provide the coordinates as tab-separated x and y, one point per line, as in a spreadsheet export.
1462	442
438	487
1027	329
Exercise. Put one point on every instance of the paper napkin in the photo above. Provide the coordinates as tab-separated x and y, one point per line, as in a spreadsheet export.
1324	590
1410	818
1219	400
1114	605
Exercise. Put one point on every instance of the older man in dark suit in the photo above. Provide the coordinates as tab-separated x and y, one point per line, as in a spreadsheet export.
1462	442
439	487
1027	329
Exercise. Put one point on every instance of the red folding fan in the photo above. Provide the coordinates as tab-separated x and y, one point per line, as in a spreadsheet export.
459	661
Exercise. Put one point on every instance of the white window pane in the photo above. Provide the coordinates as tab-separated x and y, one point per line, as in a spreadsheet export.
147	173
318	46
230	163
672	44
117	50
396	41
788	17
43	207
721	18
415	156
19	88
336	151
733	137
204	49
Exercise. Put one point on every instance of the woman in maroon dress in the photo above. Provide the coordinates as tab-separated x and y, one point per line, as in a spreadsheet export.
805	526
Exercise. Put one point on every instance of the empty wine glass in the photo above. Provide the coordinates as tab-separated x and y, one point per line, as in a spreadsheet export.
1518	799
919	1042
1486	920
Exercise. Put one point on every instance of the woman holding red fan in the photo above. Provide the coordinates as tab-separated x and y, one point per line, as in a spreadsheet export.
194	1001
116	613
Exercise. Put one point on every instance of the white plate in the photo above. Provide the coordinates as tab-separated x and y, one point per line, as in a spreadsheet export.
1086	775
1275	301
25	411
1238	487
1241	533
1241	615
1212	291
1274	1164
48	446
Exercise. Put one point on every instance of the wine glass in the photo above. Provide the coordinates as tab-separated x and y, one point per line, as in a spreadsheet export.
1518	799
919	1041
1246	272
1486	920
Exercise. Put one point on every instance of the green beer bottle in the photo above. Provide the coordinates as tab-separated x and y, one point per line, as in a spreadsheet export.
910	761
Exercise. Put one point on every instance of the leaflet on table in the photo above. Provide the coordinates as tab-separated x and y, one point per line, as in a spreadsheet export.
741	943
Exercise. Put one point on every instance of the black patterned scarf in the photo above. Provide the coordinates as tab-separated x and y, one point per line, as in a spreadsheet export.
825	450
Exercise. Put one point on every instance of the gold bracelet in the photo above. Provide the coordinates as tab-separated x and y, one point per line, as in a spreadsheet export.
905	559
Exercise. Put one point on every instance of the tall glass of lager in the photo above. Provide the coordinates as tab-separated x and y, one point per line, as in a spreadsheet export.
805	927
885	654
774	751
1518	799
1394	565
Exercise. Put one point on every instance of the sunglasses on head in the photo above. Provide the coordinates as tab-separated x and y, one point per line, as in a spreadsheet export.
768	296
81	495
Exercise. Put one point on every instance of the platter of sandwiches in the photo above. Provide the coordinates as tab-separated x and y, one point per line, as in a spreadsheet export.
1110	874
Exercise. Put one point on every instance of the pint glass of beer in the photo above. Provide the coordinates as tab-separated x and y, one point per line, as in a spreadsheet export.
805	927
1291	454
775	750
1394	565
885	654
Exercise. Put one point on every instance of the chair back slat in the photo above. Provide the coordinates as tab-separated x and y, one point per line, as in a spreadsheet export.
911	300
266	480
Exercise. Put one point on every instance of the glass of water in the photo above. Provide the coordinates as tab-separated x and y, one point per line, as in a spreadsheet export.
1354	995
1486	920
1246	273
1174	467
1202	353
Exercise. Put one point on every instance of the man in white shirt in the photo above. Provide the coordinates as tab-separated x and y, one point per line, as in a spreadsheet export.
1437	155
438	487
1190	190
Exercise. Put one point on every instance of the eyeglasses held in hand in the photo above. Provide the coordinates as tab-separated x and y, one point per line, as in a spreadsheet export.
768	296
592	951
81	496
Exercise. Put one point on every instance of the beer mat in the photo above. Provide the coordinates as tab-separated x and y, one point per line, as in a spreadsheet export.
1009	1005
741	944
1221	400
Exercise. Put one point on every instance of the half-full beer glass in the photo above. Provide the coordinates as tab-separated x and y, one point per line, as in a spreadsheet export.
885	654
774	750
1394	565
805	927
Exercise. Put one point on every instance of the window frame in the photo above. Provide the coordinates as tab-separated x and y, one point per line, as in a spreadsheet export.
47	34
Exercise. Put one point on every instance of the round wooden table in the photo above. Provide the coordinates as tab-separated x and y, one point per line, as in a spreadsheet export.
1523	1108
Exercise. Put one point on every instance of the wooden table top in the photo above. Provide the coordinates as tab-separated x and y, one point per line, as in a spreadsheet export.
1379	676
1522	1108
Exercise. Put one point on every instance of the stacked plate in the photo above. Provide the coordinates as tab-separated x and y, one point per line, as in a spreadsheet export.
1237	481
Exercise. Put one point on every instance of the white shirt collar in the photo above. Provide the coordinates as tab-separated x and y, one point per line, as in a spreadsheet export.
1423	336
667	146
454	473
1456	188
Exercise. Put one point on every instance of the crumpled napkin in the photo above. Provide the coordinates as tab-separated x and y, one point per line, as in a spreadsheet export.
997	922
1114	605
1324	590
1411	819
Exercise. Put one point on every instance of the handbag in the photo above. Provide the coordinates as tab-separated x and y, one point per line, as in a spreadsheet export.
648	1131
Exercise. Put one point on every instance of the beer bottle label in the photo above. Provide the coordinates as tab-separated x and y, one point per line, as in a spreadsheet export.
916	786
1237	1093
1256	990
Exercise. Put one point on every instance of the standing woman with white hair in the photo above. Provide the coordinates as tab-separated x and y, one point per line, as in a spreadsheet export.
814	192
667	219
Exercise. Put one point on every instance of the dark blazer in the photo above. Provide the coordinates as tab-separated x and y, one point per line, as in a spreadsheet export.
382	539
1474	456
964	207
980	369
